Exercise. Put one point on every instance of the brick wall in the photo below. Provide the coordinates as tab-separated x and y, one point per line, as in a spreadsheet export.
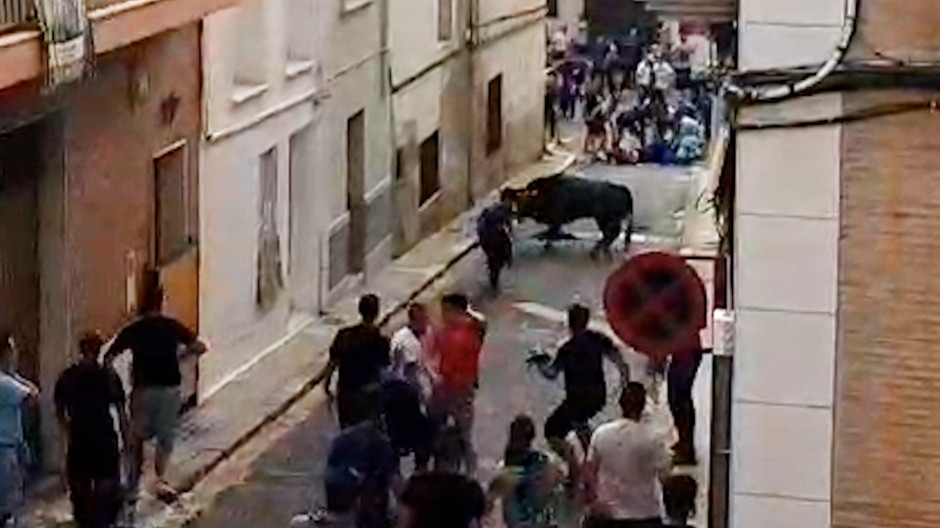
906	29
887	429
111	139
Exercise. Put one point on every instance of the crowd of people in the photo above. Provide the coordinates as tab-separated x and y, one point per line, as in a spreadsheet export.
103	430
639	102
412	397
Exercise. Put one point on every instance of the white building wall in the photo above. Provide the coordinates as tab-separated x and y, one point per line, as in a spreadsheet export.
787	33
786	268
281	110
354	68
786	273
518	54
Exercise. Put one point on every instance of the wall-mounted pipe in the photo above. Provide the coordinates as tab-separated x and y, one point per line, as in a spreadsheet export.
791	89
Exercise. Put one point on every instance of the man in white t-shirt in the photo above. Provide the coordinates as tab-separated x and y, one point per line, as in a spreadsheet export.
408	352
625	466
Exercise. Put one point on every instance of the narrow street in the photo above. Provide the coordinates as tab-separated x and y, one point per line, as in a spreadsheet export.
279	474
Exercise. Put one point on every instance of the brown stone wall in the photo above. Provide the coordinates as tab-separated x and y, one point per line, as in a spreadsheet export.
887	429
905	29
114	127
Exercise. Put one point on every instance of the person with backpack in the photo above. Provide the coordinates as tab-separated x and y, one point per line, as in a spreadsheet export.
530	482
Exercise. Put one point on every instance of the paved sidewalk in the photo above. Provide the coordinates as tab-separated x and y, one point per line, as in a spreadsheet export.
214	430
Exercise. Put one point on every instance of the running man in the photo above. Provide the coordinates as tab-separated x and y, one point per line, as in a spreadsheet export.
494	231
581	360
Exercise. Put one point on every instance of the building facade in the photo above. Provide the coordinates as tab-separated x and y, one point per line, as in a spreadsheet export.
101	177
464	73
832	420
360	235
508	68
265	193
431	68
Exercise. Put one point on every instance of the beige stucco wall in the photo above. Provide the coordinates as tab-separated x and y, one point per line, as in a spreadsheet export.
786	279
518	54
286	113
357	83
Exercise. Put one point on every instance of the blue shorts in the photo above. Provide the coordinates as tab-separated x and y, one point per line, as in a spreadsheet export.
11	480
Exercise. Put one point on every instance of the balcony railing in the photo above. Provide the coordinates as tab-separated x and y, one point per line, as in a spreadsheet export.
16	13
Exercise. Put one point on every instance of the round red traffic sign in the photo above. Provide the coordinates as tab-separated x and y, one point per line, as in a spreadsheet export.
656	304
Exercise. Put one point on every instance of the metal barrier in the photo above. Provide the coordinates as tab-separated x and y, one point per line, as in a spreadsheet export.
14	13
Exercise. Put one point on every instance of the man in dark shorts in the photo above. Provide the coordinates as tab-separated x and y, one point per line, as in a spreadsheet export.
156	343
84	397
360	353
581	360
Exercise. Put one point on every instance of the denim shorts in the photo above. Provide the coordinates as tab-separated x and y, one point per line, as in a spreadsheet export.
155	414
11	480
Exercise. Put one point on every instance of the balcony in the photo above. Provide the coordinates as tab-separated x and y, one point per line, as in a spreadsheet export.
16	13
114	23
694	10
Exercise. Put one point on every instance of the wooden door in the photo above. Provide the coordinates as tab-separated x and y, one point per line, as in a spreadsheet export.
355	192
175	253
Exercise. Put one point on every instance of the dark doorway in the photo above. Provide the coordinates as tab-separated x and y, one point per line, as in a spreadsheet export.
355	191
20	172
494	115
430	167
175	253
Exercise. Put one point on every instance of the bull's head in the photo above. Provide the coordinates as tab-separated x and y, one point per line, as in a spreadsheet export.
528	202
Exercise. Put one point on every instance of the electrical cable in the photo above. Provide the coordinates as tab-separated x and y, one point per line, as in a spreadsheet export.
860	115
793	88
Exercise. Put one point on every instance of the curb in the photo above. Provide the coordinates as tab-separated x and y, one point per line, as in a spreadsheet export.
189	482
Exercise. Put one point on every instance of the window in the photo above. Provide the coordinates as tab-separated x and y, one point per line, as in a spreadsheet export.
171	212
430	167
269	277
494	115
399	164
445	20
553	8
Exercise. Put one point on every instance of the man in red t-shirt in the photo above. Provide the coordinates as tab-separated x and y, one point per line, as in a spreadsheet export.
457	347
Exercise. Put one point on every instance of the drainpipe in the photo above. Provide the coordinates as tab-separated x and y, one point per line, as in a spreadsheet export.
389	96
470	38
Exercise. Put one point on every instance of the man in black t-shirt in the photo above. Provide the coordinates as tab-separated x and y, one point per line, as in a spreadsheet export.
84	397
581	360
155	342
360	353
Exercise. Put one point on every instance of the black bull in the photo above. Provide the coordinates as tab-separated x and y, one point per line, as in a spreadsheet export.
558	200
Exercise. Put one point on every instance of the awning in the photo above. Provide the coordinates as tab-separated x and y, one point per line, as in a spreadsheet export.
694	10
